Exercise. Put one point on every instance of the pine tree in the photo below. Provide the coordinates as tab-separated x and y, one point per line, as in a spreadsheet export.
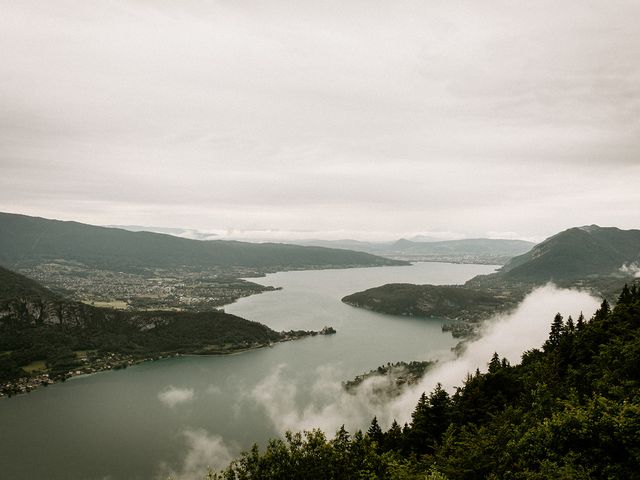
430	420
375	432
557	327
393	439
494	364
603	312
625	297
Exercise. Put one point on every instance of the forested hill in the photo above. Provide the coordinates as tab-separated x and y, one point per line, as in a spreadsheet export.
570	410
40	328
449	301
28	240
578	252
13	286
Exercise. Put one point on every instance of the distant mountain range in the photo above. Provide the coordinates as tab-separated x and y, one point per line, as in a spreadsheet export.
28	240
418	248
472	250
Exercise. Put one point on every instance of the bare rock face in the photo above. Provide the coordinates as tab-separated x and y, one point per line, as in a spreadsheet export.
36	311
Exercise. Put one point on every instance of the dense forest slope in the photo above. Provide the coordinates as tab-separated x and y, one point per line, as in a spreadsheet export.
424	300
31	240
37	325
570	410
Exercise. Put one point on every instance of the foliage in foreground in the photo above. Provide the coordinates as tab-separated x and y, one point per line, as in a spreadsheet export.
570	410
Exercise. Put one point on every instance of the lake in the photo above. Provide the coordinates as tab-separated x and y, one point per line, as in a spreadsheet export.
176	415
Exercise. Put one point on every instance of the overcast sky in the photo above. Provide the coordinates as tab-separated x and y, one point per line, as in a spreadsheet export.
348	118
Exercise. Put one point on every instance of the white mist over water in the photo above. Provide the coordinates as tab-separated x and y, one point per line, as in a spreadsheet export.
172	396
510	335
204	451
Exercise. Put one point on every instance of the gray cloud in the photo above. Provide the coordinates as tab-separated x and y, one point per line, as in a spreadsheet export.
322	115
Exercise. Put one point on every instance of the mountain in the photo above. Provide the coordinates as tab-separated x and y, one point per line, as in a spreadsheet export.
576	253
470	246
472	250
28	240
15	286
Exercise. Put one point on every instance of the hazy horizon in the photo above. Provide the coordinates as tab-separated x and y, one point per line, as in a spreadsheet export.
268	235
365	120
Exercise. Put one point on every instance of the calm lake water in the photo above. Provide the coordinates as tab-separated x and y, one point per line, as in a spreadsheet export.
147	420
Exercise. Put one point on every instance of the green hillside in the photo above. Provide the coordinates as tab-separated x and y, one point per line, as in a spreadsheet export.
13	285
31	240
576	253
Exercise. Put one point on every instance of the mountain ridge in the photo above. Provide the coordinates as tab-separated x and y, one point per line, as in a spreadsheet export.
576	252
25	239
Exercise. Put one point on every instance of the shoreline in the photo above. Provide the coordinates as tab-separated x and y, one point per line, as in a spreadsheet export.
115	361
